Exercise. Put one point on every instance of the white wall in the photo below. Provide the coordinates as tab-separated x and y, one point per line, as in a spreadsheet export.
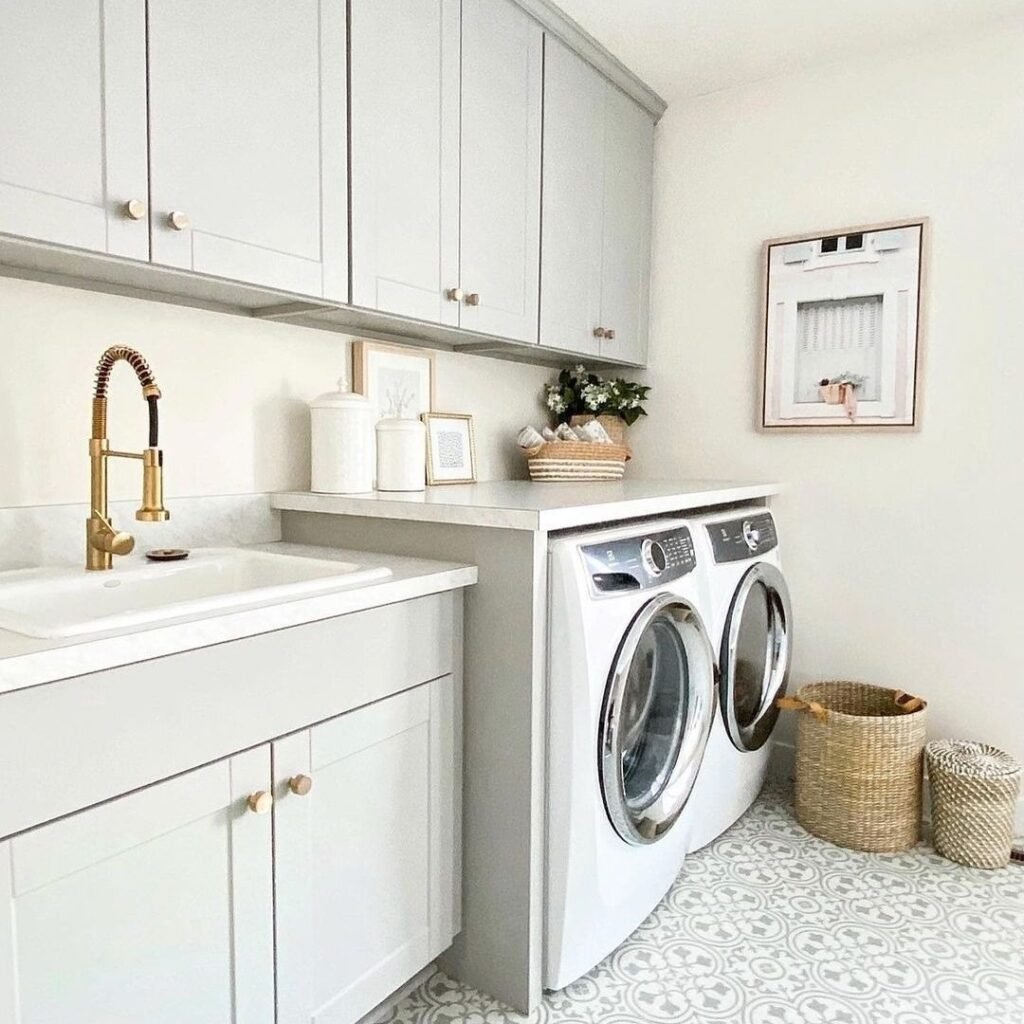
234	417
904	551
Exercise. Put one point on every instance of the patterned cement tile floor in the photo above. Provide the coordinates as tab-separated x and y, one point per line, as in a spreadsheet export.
769	925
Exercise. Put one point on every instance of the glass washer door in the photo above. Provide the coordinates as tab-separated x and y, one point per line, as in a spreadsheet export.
755	656
657	714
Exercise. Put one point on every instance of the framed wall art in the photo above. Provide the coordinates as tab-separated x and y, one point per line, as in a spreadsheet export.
398	381
451	451
841	342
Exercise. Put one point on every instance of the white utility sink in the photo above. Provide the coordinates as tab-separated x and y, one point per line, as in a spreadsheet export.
70	602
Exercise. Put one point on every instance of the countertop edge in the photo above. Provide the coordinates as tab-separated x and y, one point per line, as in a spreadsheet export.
545	520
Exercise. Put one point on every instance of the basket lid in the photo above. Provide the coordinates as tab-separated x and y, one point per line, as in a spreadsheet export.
967	757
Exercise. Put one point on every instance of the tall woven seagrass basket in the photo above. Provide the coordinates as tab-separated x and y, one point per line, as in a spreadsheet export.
859	764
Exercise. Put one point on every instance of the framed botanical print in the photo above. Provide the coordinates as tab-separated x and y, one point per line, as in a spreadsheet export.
841	339
398	381
451	452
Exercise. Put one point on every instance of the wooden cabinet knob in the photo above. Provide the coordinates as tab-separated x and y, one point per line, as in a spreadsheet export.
135	209
260	802
610	335
599	332
178	220
300	785
455	294
472	299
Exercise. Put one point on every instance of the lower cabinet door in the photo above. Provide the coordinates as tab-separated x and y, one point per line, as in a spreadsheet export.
364	841
156	907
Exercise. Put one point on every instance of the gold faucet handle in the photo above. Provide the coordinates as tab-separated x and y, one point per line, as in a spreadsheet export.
116	542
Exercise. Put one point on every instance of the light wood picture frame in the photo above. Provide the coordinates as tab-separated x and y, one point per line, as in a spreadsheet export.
843	315
451	448
394	375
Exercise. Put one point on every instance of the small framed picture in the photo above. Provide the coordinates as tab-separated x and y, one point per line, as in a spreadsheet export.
451	452
398	381
842	339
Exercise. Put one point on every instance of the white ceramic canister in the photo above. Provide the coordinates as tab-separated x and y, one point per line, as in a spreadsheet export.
401	455
342	442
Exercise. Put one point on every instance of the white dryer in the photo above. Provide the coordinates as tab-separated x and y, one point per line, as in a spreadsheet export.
751	627
631	701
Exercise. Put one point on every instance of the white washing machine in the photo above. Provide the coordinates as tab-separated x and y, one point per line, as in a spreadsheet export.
751	628
631	699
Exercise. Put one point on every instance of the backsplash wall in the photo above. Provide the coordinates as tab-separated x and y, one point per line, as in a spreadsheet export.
234	418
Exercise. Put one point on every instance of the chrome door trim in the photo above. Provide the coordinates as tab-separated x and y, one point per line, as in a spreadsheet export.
661	814
778	645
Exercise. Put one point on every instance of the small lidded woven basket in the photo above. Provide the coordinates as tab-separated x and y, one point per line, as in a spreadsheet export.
859	764
974	791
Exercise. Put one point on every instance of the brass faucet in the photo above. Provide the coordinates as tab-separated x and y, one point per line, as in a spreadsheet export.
102	541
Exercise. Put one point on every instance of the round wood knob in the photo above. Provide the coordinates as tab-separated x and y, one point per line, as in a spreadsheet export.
455	294
178	220
609	334
135	209
300	785
472	299
260	802
599	332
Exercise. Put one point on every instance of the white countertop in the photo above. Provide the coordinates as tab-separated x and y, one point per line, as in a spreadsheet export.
29	661
523	505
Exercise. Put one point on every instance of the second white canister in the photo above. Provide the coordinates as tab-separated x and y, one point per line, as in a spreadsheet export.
401	455
342	442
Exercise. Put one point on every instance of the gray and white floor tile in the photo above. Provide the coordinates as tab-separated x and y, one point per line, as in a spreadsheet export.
769	925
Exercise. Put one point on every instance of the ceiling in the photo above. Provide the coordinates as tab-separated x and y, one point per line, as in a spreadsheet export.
685	48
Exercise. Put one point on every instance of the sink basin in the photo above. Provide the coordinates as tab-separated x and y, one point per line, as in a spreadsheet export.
71	602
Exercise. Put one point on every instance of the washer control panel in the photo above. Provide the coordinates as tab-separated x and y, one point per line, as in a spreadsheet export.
638	563
743	537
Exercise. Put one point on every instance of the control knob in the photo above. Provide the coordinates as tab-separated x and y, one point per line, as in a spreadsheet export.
751	535
652	554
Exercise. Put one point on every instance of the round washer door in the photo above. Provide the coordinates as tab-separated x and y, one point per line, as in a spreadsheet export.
755	656
657	714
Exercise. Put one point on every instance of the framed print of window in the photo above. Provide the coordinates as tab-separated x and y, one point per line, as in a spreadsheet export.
842	333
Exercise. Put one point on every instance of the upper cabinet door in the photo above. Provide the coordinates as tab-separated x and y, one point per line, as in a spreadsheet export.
154	907
248	141
626	248
502	73
404	95
73	123
574	125
364	853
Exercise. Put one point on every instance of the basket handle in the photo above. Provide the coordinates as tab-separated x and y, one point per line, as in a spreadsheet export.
795	704
907	702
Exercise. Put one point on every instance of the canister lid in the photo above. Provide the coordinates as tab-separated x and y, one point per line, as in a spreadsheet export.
342	398
400	425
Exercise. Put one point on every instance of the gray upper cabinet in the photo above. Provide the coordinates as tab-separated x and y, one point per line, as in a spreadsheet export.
73	123
574	122
595	249
445	149
404	96
626	245
247	137
502	69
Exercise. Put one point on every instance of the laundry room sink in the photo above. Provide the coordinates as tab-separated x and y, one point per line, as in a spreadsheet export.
69	602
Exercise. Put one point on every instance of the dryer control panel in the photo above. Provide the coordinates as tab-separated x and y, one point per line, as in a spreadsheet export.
743	537
639	563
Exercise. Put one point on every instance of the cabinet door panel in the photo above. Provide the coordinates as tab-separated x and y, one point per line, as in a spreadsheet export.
574	119
626	271
502	72
154	907
404	88
73	122
364	860
248	137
